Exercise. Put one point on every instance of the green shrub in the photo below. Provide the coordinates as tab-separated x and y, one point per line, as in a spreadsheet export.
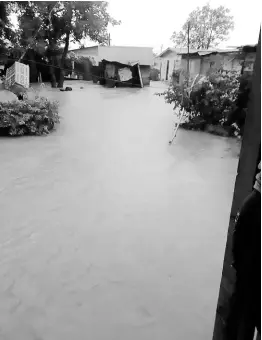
154	74
212	99
29	117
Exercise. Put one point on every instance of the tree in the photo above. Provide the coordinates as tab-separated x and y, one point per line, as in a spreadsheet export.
7	33
51	26
207	26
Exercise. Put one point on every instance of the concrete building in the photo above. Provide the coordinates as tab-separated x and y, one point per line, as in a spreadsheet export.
126	55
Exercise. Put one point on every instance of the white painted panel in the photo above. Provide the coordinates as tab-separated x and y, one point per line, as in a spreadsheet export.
126	54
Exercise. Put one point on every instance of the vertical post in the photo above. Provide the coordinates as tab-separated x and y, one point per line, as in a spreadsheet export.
188	44
109	40
247	168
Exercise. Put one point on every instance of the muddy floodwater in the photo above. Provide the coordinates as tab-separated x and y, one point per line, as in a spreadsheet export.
107	232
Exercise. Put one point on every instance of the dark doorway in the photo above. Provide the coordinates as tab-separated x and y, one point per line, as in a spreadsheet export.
167	69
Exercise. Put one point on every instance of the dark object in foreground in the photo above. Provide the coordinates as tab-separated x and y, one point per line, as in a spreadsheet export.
66	89
247	263
200	125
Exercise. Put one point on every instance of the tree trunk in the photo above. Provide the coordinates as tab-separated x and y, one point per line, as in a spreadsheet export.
52	41
30	55
52	73
52	60
61	77
62	62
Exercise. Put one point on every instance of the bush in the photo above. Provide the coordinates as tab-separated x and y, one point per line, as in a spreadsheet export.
29	117
209	102
154	74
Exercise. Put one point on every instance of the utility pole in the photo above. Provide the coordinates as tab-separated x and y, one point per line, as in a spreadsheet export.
188	43
109	40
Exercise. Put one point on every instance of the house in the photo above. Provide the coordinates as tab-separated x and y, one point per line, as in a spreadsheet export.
125	55
203	61
169	60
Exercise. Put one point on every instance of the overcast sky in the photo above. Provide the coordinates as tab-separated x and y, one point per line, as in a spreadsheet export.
151	25
148	24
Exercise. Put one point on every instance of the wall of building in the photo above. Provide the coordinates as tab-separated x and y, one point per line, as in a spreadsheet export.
121	54
88	52
229	62
194	65
174	61
127	54
145	74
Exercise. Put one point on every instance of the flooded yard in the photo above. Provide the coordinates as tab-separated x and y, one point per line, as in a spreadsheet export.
107	232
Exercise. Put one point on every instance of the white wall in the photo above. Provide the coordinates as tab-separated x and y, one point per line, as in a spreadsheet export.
126	54
121	54
174	63
89	52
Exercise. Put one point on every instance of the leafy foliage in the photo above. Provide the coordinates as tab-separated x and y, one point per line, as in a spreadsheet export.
154	74
211	100
208	27
48	27
34	117
7	32
79	19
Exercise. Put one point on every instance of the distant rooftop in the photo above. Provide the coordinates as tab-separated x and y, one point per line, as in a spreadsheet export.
177	50
83	48
113	46
229	49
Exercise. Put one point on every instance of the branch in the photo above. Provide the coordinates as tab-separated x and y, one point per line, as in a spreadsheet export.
37	31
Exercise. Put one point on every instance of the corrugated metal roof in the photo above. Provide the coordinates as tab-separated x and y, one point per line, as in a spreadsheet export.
176	50
248	48
249	45
211	51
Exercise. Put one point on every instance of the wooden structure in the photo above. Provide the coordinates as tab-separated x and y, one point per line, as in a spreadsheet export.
201	62
247	169
169	60
112	76
125	55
